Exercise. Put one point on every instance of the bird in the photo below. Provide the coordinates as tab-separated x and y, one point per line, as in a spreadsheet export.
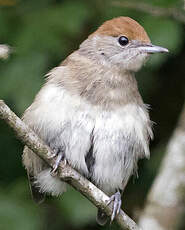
91	114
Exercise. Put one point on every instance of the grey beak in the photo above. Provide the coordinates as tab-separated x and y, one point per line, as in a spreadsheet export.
151	49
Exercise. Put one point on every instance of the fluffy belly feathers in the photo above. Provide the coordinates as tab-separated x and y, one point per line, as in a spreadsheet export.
102	145
116	140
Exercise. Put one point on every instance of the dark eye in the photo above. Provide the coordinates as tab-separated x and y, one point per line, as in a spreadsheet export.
123	41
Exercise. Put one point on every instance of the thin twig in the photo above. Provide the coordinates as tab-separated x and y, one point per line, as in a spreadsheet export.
153	10
4	51
65	172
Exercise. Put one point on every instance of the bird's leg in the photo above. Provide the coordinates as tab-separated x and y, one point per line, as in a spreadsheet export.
59	155
116	198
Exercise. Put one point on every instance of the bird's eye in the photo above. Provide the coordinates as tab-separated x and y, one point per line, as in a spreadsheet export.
123	41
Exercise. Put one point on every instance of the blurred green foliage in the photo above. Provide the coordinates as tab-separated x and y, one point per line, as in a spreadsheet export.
42	33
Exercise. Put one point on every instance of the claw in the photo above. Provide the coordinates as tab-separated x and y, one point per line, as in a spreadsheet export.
60	156
57	162
116	199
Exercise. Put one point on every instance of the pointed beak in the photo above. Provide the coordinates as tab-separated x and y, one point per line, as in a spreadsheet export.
151	49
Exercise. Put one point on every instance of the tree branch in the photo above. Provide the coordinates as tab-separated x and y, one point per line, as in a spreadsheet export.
165	203
65	172
4	51
174	13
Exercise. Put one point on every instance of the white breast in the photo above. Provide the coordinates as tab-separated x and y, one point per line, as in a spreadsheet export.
119	141
69	120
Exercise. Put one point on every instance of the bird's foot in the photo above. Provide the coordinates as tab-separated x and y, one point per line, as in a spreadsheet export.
59	155
116	198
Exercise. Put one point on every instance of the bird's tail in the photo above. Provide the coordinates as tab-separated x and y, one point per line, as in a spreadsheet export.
37	196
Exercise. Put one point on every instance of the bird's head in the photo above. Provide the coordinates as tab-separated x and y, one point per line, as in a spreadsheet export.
122	42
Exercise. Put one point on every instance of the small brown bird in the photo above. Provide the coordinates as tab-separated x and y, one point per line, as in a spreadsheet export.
91	114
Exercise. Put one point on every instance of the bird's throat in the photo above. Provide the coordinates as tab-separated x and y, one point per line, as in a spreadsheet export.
100	85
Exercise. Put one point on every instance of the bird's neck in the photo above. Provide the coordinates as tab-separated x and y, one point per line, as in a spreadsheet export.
100	85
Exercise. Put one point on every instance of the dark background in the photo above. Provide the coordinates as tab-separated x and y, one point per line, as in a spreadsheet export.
42	34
